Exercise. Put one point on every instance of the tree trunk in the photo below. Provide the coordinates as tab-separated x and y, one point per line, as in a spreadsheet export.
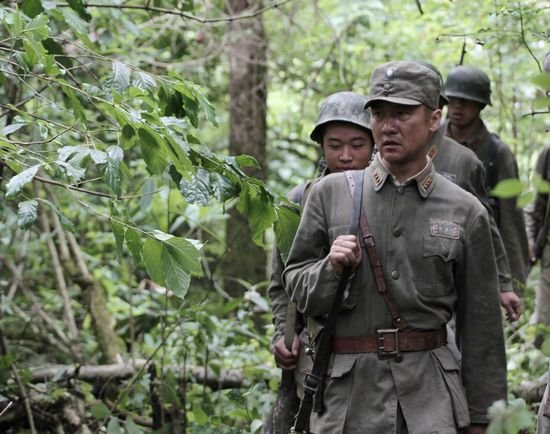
248	93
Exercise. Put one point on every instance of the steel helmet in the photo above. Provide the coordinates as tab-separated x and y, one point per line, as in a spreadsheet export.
469	83
341	107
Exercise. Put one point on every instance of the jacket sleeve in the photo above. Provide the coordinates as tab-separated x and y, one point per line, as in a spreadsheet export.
309	278
535	212
479	324
512	223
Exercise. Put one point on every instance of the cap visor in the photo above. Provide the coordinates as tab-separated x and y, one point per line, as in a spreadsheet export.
393	99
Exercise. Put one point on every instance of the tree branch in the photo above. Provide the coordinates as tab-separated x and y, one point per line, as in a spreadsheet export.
147	8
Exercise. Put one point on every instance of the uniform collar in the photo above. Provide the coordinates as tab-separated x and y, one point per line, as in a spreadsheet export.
435	143
424	179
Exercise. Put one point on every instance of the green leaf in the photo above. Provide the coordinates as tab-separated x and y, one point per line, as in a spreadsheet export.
152	152
119	232
121	76
78	6
143	81
28	212
113	176
10	129
152	258
37	29
285	228
198	189
256	425
35	53
507	188
178	157
131	427
100	410
222	188
114	426
247	161
32	8
75	104
134	243
16	184
542	80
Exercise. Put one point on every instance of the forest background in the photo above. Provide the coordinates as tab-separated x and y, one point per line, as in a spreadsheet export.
145	150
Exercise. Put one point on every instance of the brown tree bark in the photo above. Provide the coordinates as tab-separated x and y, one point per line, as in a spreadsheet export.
248	93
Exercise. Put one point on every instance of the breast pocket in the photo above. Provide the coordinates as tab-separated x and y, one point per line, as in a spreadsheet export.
439	256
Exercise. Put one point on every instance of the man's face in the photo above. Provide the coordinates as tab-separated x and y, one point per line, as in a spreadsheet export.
463	112
346	146
402	133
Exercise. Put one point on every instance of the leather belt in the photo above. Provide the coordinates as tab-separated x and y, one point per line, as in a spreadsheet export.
389	343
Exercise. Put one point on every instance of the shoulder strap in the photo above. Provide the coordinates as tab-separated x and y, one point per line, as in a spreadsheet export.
398	321
314	381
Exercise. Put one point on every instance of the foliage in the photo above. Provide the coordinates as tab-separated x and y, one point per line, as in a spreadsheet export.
113	128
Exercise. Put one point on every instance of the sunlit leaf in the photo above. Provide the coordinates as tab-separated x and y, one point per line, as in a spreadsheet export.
16	184
285	228
28	212
508	188
121	76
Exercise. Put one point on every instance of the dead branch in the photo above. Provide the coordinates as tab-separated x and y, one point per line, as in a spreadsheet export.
229	379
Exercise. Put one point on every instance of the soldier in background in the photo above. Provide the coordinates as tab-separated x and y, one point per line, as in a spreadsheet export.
468	90
535	215
343	131
460	165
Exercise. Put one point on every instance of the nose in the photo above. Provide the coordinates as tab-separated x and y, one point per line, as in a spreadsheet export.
388	125
346	153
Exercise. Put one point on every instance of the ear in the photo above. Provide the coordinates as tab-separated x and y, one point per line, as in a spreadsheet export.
435	120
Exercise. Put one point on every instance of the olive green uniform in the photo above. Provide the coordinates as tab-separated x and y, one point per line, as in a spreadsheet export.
511	223
534	219
433	240
460	165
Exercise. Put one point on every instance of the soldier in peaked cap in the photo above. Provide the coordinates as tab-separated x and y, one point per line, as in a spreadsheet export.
343	132
390	370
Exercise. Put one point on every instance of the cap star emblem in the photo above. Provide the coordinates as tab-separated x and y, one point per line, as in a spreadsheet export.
390	72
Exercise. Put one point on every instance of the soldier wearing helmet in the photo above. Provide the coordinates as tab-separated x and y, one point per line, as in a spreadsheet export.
469	91
538	232
342	129
461	166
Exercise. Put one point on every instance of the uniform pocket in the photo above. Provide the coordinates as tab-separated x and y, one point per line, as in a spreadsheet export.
440	255
450	372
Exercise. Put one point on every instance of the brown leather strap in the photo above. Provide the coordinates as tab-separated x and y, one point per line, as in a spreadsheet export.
376	266
390	341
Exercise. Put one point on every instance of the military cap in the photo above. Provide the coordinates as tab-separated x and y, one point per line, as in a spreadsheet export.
405	82
341	107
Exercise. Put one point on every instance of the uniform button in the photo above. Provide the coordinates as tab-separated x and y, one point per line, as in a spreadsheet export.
446	253
400	190
387	86
395	274
397	233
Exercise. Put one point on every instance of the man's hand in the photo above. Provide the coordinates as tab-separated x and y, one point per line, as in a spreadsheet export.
284	358
512	304
345	252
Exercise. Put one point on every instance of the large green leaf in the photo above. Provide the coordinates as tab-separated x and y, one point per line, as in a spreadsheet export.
285	229
198	189
152	151
16	184
508	188
32	8
152	258
134	243
78	6
121	76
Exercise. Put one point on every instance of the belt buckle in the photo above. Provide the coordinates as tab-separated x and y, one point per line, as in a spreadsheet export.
381	350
